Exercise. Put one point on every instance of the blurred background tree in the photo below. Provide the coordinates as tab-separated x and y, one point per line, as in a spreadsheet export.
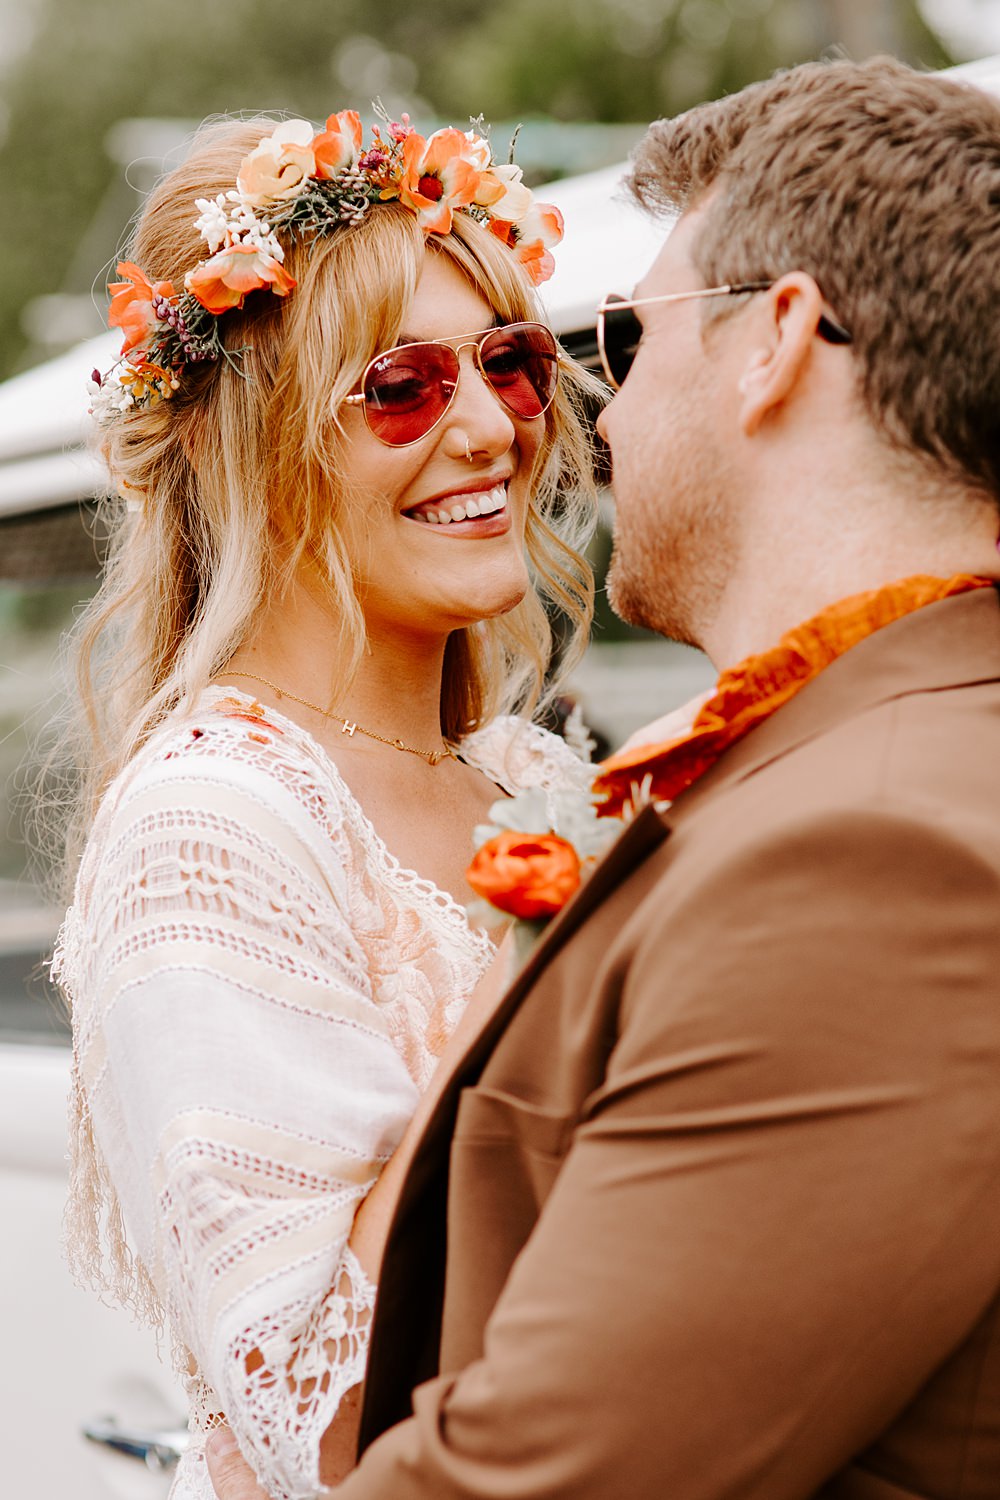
71	73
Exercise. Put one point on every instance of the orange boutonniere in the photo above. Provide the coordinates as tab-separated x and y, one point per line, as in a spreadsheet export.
528	875
534	855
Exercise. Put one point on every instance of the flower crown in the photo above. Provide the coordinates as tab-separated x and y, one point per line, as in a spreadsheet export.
300	182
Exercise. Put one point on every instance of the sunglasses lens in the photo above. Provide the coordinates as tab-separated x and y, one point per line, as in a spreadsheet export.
407	390
620	340
521	363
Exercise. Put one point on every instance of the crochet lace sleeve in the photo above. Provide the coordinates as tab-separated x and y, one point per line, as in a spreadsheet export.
237	1089
518	755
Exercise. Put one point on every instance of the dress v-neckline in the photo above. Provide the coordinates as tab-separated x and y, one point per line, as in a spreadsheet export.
400	875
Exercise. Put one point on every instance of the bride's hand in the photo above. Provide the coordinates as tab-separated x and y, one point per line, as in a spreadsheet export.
232	1477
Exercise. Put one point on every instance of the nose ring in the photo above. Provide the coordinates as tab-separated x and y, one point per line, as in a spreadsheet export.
468	452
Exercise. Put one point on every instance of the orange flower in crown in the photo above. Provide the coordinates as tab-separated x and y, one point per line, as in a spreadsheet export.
530	239
146	381
440	175
339	145
301	182
132	309
232	274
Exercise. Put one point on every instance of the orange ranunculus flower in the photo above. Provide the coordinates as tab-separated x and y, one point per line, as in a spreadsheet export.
504	231
131	307
226	279
438	177
525	874
279	166
339	145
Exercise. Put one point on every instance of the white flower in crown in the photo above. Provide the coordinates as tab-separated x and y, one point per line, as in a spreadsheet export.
213	221
515	200
478	151
280	166
500	189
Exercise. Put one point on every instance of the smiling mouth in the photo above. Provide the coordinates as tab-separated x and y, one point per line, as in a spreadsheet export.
454	509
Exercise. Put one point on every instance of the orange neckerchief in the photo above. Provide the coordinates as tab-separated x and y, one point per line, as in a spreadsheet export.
750	692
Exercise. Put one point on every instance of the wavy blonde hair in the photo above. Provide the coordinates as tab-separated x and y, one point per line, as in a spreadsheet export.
241	476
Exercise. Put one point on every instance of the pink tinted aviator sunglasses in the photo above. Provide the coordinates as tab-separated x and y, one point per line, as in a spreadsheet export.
406	391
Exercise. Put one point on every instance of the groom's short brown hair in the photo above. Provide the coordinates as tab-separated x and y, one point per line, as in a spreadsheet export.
884	185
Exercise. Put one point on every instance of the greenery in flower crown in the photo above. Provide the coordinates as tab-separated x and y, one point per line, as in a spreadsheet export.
297	183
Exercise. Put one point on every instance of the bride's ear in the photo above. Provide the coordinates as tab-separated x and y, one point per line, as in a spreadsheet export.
787	325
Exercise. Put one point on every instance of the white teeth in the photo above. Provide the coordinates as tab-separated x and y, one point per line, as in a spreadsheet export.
485	504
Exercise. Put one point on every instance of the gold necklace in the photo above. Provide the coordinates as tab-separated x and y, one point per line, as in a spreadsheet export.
348	726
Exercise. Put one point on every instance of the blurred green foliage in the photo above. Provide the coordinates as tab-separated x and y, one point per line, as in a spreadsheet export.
94	63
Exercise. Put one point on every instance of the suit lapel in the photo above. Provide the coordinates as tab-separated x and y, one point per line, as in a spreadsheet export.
406	1331
639	839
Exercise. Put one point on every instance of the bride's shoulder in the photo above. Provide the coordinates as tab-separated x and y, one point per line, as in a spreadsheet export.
518	754
226	748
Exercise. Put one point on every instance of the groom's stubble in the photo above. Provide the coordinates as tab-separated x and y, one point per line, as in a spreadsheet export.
675	540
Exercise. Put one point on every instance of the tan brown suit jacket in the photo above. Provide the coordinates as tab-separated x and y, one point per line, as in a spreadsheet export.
722	1179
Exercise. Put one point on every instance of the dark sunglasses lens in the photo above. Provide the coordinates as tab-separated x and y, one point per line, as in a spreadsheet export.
521	363
622	332
407	390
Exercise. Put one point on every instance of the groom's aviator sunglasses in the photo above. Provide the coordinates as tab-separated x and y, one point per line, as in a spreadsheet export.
619	330
406	391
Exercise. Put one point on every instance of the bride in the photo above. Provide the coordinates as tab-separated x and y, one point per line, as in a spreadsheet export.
339	427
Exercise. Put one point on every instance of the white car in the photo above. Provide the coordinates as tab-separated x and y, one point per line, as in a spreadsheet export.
90	1412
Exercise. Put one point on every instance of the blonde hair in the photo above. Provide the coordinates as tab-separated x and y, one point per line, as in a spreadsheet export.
240	477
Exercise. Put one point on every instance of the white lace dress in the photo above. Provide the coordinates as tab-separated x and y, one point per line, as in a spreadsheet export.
259	993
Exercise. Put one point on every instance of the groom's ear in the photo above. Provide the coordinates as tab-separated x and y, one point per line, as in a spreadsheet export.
784	325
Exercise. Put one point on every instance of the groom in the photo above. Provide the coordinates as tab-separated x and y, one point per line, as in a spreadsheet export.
712	1207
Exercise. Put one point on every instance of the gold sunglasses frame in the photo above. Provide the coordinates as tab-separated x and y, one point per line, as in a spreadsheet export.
461	341
828	327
